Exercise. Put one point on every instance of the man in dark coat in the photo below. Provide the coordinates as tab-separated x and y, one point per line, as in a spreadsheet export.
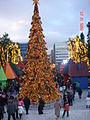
26	103
40	106
16	104
11	109
1	106
80	93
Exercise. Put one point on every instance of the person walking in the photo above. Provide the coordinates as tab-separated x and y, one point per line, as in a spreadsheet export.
40	106
11	109
20	111
26	104
80	93
57	107
1	113
66	109
16	104
1	106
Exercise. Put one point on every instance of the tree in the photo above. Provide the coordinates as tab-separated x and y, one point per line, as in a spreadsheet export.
88	54
78	50
2	56
38	78
5	40
10	51
13	53
82	37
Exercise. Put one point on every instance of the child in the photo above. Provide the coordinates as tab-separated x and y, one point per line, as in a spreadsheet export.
20	111
66	109
20	102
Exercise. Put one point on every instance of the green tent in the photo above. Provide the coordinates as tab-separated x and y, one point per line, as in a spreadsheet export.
3	78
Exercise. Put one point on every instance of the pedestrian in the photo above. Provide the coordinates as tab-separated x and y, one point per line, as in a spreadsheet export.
26	103
1	113
41	105
20	111
73	94
66	109
4	101
1	106
70	98
11	109
80	93
16	104
57	107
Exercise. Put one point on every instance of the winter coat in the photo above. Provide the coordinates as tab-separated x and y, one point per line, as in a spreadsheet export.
16	103
40	106
11	108
57	107
26	102
80	91
66	106
1	101
21	110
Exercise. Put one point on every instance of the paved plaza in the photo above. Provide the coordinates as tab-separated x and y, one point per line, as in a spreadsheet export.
77	112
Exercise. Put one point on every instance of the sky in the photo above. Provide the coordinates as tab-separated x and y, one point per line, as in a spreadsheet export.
60	19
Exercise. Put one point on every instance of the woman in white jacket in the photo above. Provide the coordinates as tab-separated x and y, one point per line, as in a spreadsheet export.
20	111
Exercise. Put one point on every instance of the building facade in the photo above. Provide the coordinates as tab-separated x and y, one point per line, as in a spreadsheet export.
60	52
23	48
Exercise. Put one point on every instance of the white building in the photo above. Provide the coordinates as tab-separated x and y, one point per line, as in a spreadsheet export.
60	52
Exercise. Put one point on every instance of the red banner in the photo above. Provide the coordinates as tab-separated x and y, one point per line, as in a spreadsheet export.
81	21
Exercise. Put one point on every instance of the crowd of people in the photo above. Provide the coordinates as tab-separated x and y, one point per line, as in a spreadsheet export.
17	107
67	98
14	107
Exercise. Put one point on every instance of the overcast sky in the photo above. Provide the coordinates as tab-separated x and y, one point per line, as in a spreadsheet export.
60	19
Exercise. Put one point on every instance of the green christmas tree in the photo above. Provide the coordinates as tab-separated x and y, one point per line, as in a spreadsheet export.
38	78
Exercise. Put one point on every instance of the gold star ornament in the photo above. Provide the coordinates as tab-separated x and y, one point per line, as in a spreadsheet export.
35	1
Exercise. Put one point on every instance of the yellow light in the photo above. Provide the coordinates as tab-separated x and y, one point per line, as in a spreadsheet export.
35	1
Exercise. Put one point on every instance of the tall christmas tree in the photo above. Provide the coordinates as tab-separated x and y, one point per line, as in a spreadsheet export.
38	78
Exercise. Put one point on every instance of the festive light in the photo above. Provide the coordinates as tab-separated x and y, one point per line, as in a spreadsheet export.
35	1
78	50
13	53
38	78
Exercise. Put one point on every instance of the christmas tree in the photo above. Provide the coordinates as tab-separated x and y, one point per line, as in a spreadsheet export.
38	78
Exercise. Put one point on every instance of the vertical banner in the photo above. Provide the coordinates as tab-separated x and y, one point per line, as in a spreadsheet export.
81	21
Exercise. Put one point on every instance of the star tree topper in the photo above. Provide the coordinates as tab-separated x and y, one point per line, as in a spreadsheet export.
35	1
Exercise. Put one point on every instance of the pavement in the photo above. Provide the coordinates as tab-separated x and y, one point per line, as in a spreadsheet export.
77	112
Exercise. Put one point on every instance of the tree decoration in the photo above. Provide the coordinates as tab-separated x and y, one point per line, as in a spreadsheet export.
37	79
78	50
10	51
35	1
